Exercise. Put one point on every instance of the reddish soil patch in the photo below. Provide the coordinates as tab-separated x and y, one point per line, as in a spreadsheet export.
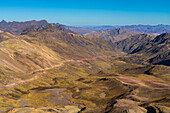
157	84
94	58
128	80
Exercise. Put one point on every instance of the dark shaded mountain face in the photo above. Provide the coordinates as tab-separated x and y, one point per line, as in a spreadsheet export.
16	28
130	44
112	35
152	49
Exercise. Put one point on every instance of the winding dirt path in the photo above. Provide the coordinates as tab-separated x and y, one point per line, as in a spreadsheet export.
11	85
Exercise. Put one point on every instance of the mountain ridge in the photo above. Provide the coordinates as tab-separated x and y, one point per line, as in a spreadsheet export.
151	29
153	49
112	35
160	28
17	27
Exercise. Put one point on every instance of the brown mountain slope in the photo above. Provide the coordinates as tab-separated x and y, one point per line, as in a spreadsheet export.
130	44
147	48
68	44
19	55
112	35
45	47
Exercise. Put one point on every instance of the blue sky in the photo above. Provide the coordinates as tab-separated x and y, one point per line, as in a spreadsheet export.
87	12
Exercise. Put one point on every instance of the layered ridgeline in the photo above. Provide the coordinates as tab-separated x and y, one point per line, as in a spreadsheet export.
151	29
16	28
52	69
146	48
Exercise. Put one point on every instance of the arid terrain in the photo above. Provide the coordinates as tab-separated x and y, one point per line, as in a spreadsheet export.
48	68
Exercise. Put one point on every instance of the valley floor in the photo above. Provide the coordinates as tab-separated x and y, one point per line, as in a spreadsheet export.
99	84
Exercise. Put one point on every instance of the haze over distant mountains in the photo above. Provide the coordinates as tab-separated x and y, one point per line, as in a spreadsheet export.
138	28
17	27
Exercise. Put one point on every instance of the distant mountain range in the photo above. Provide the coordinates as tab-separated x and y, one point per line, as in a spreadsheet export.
151	29
17	27
148	28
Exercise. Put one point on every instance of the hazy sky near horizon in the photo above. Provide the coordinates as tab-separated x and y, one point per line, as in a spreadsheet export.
87	12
